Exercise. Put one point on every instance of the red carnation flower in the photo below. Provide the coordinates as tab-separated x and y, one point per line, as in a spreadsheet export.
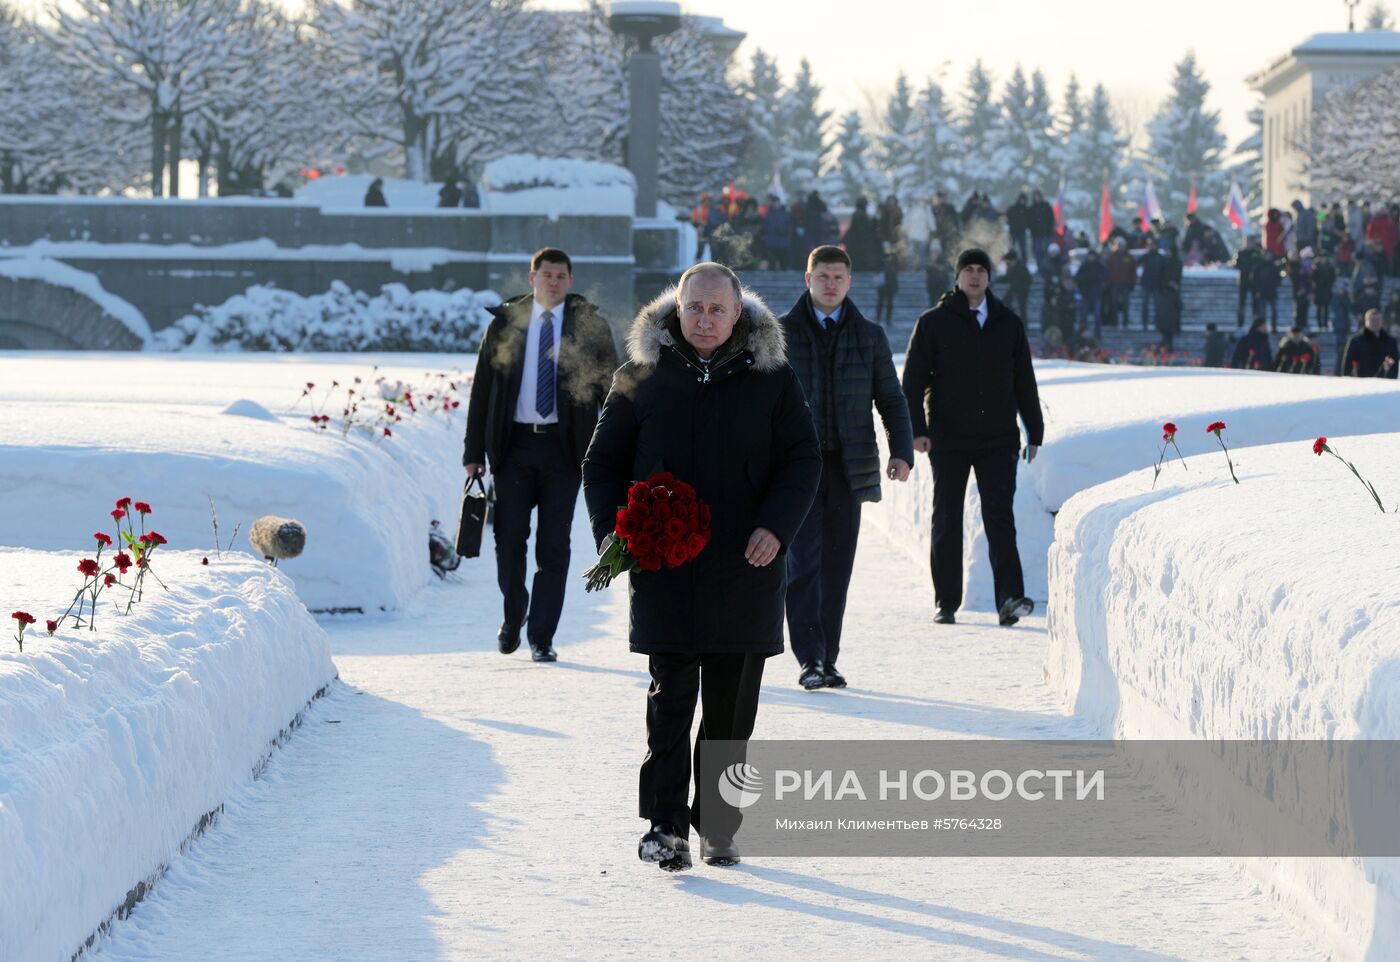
152	537
1215	426
1305	358
142	507
52	626
310	385
1168	430
1319	446
24	617
103	539
205	561
388	433
118	514
89	567
124	503
122	561
109	580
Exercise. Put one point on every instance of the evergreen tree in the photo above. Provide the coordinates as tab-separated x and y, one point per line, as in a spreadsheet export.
1379	18
1010	144
1094	152
979	127
697	97
854	174
898	141
1042	166
936	145
804	143
1187	145
763	98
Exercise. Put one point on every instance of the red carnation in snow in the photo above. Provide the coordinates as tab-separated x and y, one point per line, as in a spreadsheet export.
24	617
109	580
89	567
142	507
52	626
103	539
1168	430
1319	446
205	561
1215	427
122	561
388	433
152	537
118	514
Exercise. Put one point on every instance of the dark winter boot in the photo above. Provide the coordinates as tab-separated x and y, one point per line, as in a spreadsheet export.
665	848
1013	610
812	677
718	850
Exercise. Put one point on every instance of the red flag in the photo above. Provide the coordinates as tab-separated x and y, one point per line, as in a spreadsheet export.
1105	215
1191	199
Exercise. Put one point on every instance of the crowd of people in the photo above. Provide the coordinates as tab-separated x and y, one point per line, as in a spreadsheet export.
1336	260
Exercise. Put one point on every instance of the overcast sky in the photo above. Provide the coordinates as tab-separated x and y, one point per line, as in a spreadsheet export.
1129	46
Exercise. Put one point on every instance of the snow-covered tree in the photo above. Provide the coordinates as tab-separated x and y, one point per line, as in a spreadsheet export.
763	100
979	127
1023	146
1186	145
1352	150
1379	18
937	150
897	142
166	51
440	79
704	129
1042	167
854	174
1247	166
584	83
1094	152
804	144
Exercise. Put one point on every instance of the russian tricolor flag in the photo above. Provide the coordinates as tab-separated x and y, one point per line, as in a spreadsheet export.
1235	209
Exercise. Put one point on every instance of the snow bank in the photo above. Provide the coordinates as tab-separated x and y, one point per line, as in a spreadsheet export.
1264	610
265	318
347	192
1105	421
79	432
526	184
57	273
405	260
115	744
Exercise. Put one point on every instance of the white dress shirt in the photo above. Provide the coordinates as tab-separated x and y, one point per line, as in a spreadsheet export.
982	313
525	412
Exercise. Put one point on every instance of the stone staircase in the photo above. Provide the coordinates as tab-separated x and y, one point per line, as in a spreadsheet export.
1207	297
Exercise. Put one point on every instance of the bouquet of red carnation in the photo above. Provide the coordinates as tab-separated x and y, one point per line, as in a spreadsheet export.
663	523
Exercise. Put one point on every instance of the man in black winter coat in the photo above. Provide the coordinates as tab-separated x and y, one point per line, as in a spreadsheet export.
967	375
1371	352
1252	352
844	365
706	395
543	368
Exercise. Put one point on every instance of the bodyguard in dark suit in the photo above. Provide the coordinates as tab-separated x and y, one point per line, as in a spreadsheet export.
967	375
543	370
843	362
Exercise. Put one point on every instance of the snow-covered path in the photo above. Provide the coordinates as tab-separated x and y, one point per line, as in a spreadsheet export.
446	802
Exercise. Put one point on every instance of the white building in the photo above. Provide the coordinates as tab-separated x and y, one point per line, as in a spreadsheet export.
1294	85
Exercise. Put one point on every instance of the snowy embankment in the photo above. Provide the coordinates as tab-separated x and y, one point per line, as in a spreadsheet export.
116	744
1105	421
1263	610
78	431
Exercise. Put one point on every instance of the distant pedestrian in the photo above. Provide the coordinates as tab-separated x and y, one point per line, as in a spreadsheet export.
1372	351
374	197
1252	352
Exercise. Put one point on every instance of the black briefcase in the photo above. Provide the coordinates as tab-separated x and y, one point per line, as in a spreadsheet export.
473	523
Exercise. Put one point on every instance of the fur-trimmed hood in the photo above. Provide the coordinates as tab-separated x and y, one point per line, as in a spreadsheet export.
761	333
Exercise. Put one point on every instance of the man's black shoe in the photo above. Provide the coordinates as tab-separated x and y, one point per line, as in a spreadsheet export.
812	676
1013	610
508	638
718	850
944	617
544	652
663	847
832	677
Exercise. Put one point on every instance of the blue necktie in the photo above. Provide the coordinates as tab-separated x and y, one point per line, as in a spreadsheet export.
544	380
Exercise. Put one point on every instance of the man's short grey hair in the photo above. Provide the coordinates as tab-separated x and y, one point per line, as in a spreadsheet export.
710	269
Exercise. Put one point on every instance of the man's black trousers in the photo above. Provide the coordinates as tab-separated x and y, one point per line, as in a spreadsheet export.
536	474
819	565
727	686
996	486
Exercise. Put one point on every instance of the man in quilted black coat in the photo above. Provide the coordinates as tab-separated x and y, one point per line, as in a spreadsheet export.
844	364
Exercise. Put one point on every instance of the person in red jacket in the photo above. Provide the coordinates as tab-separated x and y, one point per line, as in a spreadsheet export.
1273	233
1383	229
